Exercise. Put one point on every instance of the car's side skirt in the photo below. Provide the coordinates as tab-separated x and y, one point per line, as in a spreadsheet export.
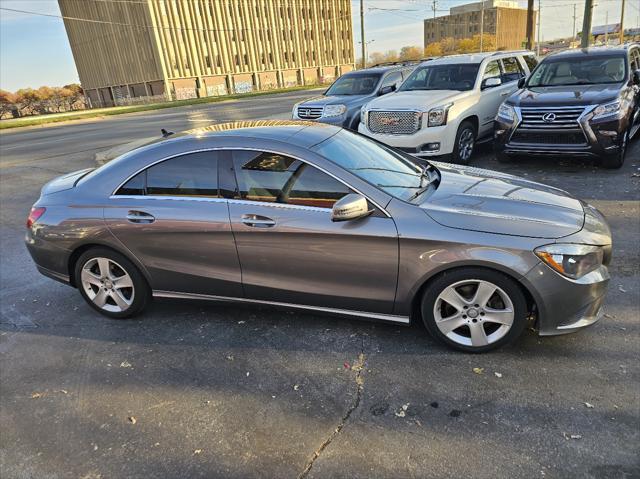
347	312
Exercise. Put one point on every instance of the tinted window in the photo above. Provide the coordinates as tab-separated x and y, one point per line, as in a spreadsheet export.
531	61
512	70
442	77
276	178
195	174
579	70
354	84
373	162
492	70
135	186
392	79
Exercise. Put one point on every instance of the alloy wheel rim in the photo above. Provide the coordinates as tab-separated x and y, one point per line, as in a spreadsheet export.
107	284
465	145
473	313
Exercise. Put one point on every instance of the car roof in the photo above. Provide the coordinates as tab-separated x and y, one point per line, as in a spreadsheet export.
473	58
301	133
591	51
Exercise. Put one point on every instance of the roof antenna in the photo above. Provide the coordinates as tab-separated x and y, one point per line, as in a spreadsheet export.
165	133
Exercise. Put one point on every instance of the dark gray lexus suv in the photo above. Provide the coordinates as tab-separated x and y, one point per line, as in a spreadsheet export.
340	104
575	103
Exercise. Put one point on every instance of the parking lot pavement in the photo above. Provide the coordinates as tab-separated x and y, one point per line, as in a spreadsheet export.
196	389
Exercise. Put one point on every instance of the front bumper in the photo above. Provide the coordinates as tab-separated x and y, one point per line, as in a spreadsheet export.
416	142
566	305
601	138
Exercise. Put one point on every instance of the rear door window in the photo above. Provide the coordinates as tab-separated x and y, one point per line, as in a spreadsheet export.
531	62
190	175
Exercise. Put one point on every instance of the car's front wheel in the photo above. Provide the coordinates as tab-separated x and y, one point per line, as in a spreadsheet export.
464	144
474	309
111	284
612	162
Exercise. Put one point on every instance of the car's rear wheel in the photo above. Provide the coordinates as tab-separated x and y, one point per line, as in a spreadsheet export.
613	162
464	144
111	284
474	309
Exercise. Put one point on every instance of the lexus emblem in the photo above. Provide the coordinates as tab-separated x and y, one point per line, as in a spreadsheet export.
549	117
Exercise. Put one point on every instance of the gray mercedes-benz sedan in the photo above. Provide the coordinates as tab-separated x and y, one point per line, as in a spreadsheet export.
316	217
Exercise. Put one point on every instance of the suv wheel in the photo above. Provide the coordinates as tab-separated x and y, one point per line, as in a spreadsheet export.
474	309
613	162
464	144
111	284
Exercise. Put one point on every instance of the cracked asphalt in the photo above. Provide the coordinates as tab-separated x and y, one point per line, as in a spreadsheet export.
203	390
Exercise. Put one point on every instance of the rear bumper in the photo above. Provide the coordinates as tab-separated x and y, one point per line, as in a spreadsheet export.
566	305
51	260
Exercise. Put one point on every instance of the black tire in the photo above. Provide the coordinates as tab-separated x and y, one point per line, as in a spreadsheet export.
139	294
504	284
463	130
613	162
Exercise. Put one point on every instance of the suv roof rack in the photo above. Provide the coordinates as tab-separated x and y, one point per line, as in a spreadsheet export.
400	63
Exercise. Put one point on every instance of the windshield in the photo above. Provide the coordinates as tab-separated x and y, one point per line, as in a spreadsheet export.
373	162
354	84
580	70
442	77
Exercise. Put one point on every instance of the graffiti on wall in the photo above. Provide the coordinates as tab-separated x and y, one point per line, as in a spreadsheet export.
242	86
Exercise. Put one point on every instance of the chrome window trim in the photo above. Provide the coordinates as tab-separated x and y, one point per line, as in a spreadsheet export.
227	148
169	197
348	312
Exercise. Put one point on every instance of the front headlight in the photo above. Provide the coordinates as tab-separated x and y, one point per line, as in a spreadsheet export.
608	109
334	110
438	116
294	111
363	114
571	260
506	112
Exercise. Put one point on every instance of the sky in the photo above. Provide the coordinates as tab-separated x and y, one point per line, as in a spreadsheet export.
34	50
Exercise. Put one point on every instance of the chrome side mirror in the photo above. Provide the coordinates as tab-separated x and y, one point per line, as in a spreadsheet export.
350	207
491	82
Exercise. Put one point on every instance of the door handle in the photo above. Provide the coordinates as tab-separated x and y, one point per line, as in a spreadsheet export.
134	216
257	221
505	93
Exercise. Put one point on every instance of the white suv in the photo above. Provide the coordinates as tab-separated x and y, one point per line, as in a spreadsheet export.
446	105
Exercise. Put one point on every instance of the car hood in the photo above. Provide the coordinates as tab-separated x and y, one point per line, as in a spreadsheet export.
492	202
419	100
322	100
575	95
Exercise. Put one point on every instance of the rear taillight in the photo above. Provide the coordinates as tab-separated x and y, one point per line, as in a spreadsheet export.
34	216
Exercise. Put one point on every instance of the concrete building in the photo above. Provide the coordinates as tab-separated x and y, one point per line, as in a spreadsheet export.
502	18
129	51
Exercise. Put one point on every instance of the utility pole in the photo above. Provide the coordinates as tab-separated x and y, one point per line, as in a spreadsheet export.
481	24
586	23
622	24
364	47
539	20
530	24
434	6
574	22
